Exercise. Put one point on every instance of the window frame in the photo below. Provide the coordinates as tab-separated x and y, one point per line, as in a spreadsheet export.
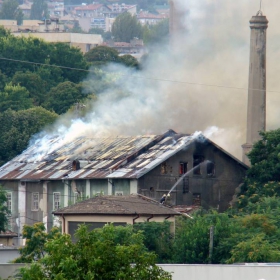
54	202
9	202
33	207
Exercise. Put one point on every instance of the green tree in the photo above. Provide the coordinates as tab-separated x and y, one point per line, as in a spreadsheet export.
10	10
3	81
106	253
63	96
158	239
76	28
126	27
102	55
156	34
39	10
18	127
96	31
70	61
129	61
35	85
14	97
263	177
36	238
4	211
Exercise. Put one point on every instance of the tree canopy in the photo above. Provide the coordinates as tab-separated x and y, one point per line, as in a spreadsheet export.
10	10
4	211
18	127
106	253
263	177
39	10
126	27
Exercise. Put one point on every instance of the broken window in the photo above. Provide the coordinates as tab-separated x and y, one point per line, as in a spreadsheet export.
163	168
183	168
197	160
210	168
196	199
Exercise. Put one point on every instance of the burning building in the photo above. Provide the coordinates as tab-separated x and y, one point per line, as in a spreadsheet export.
202	173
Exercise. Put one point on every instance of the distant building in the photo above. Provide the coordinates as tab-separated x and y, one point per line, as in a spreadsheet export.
149	18
83	41
136	46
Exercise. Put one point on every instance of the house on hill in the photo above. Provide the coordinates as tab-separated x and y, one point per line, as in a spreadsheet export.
47	177
120	210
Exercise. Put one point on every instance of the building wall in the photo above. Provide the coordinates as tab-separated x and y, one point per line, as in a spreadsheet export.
222	272
214	190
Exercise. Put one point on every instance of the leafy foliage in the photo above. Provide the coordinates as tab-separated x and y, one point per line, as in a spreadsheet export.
126	27
4	211
158	239
106	253
18	127
156	34
39	10
10	10
14	97
36	238
61	97
263	178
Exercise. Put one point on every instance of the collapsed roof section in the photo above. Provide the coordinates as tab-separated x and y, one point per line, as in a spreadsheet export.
96	158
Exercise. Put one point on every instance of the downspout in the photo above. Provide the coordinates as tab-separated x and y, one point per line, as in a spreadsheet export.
63	222
150	218
135	219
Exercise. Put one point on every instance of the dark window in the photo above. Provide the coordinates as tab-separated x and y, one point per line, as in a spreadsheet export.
163	169
210	168
183	168
197	160
196	199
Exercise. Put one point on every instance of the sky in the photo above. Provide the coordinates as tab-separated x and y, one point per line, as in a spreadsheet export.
197	83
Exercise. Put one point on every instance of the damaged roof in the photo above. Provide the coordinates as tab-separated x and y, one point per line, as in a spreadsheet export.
96	158
117	205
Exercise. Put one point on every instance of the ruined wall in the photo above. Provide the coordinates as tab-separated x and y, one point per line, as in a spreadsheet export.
213	186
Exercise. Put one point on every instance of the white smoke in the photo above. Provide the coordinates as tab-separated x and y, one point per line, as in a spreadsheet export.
197	83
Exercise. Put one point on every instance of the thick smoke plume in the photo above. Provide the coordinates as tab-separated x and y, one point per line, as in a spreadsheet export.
197	81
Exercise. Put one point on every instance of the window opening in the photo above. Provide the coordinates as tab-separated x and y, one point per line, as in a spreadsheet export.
196	199
197	160
163	168
35	201
210	168
56	200
9	201
183	168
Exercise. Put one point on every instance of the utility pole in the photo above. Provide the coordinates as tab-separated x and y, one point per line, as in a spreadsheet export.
211	243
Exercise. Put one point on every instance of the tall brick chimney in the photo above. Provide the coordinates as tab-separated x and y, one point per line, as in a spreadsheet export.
256	111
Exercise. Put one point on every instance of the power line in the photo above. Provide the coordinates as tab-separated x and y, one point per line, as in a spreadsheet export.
140	77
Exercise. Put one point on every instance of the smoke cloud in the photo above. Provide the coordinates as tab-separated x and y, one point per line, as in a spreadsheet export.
196	82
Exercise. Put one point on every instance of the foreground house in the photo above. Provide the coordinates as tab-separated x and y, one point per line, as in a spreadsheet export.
120	210
39	181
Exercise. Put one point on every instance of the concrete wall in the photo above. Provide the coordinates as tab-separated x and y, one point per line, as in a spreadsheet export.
7	255
197	272
7	270
223	272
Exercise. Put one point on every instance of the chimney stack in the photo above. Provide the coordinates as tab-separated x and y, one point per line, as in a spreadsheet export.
256	111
